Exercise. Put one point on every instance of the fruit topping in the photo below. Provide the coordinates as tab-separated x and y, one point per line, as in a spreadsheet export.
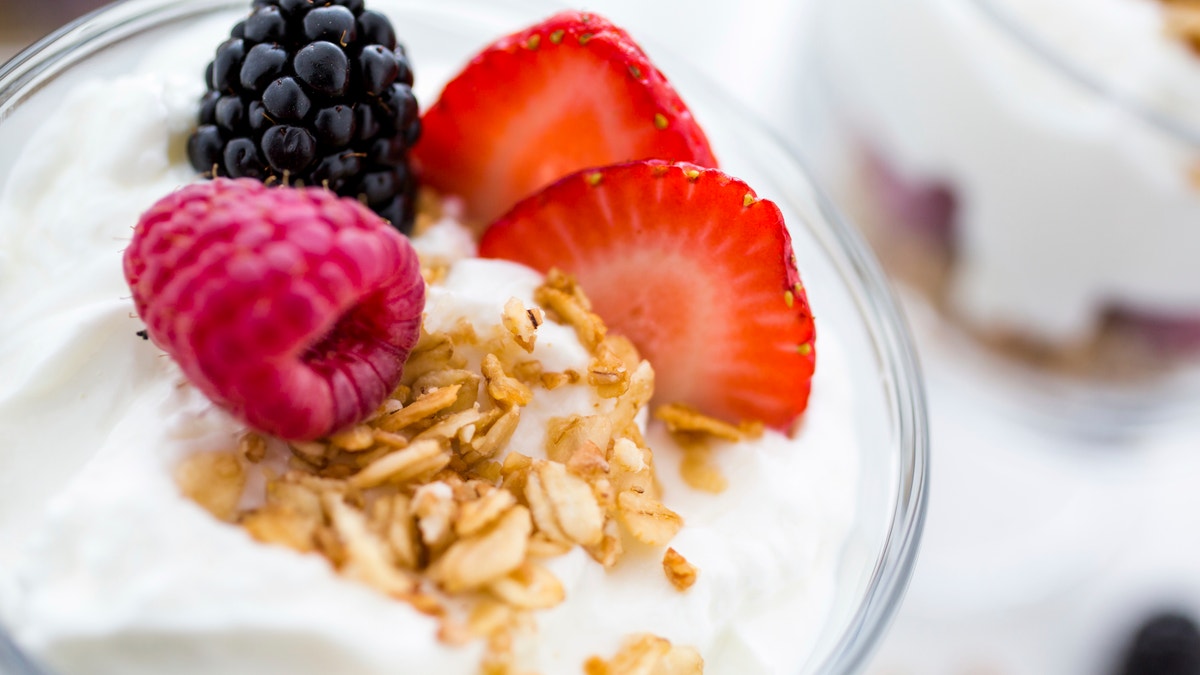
292	308
569	93
313	95
692	267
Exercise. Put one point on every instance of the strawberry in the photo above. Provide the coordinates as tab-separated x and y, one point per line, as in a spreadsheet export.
692	267
569	93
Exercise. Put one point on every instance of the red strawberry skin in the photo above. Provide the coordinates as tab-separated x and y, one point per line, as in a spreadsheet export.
569	93
692	267
293	309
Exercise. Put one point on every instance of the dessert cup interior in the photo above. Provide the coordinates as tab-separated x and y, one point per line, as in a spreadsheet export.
849	295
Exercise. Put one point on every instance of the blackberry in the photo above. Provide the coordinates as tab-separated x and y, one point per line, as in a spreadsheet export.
313	92
1166	644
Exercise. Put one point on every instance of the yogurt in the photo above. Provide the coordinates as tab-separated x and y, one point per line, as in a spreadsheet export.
1069	205
106	568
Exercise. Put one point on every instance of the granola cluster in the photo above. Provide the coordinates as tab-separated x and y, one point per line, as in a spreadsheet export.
1183	21
427	501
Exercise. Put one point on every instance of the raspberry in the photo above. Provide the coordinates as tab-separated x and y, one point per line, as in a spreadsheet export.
292	308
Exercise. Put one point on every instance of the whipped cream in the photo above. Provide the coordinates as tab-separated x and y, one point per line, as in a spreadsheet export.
1069	205
106	568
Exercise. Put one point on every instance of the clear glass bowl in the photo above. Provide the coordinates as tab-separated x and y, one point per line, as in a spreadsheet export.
848	290
990	124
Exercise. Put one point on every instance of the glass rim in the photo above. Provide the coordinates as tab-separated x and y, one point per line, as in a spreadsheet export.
857	265
889	328
1086	79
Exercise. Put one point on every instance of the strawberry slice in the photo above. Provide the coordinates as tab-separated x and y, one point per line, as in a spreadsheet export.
569	93
692	267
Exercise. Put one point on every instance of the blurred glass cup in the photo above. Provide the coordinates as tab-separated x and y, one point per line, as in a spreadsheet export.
1031	171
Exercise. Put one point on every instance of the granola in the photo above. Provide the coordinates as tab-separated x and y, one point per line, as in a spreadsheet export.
681	573
427	503
1183	22
648	655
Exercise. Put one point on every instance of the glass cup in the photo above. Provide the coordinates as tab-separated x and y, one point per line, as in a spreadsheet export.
1030	181
1034	192
848	291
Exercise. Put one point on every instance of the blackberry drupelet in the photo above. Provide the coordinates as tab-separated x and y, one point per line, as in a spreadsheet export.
1166	644
313	92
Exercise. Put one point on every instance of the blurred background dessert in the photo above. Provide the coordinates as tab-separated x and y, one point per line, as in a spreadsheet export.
1031	167
1027	172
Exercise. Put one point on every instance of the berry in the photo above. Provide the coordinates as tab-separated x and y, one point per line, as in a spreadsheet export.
401	207
384	151
286	101
293	309
355	6
335	126
335	170
692	267
256	118
318	90
368	127
569	93
378	187
208	108
206	146
227	66
242	159
1166	644
376	29
266	24
291	8
378	69
264	64
289	149
400	106
331	24
324	67
230	114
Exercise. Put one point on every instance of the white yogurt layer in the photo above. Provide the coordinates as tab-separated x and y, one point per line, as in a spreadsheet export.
1068	204
106	568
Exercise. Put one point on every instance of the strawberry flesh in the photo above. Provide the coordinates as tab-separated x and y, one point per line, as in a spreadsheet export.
569	93
692	267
